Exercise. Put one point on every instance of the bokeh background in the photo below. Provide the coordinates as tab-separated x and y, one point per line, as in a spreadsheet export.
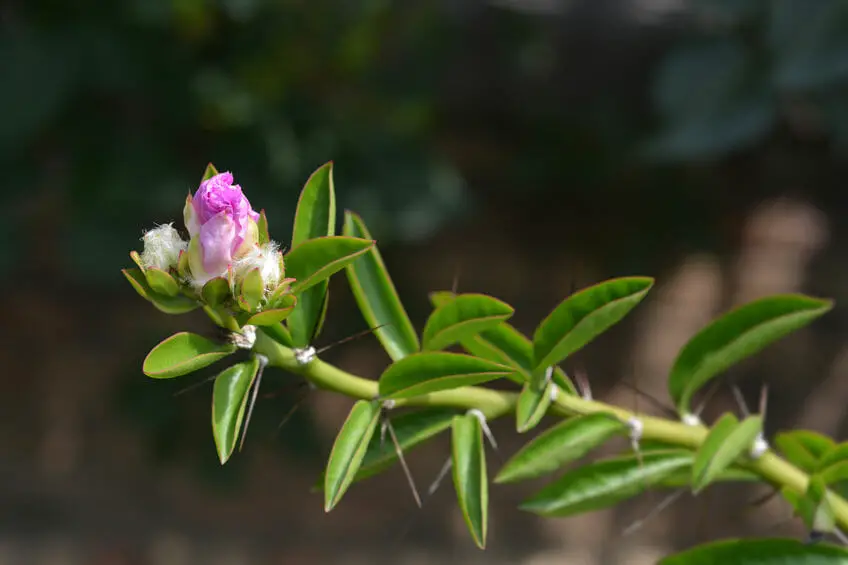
523	148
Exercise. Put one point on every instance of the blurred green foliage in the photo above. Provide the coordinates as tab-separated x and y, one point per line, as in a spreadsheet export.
742	68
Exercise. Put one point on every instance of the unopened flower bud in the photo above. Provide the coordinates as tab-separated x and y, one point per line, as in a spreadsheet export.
222	226
162	247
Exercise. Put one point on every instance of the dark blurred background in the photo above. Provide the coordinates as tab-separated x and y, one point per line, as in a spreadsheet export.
521	147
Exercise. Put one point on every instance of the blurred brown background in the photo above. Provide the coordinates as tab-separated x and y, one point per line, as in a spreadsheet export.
525	147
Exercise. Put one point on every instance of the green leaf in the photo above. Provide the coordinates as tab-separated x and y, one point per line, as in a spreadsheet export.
183	353
315	217
161	282
423	373
229	399
532	405
504	344
216	291
835	473
469	475
726	442
817	444
761	552
278	333
605	483
349	450
270	317
166	304
795	452
738	334
137	260
683	477
252	289
567	441
835	454
583	316
465	315
210	172
377	298
317	259
411	430
316	207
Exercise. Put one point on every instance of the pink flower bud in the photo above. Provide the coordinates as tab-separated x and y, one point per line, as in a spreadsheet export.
222	226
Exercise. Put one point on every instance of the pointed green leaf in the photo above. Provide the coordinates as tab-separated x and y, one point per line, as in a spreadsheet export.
281	297
411	429
270	317
736	335
262	225
504	344
469	475
727	441
349	449
605	483
166	304
683	478
252	289
532	405
278	333
216	291
315	217
210	172
317	259
567	441
466	315
316	207
161	282
183	353
835	473
795	452
423	373
817	444
377	298
760	552
583	316
229	399
836	454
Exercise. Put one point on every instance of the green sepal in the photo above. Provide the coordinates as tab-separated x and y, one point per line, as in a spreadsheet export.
251	290
161	282
137	260
210	172
216	292
167	304
262	225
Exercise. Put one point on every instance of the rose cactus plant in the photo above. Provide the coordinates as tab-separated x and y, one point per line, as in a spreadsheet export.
231	269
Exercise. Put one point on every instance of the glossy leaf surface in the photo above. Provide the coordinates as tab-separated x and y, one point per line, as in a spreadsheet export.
532	405
464	316
315	217
504	344
377	297
565	442
423	373
605	483
774	551
229	399
183	353
316	260
727	441
583	316
736	335
469	475
162	282
349	449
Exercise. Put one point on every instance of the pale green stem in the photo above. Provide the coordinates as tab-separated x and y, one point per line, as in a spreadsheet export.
494	404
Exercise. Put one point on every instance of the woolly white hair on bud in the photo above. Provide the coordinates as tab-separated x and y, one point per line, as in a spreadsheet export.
162	247
266	258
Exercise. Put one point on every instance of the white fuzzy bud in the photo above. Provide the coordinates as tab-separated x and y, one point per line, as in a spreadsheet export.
162	247
691	419
266	258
